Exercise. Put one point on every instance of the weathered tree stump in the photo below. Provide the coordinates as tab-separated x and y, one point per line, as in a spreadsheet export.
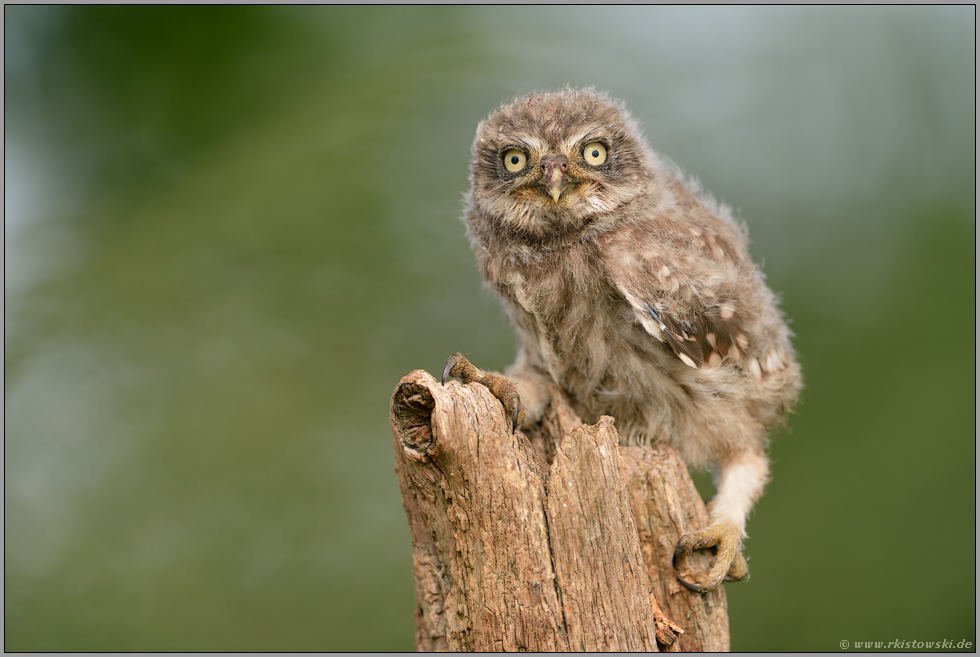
558	541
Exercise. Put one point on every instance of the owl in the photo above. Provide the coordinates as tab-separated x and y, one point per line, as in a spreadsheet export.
634	292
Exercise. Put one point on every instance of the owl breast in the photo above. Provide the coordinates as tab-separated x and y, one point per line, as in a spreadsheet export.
577	328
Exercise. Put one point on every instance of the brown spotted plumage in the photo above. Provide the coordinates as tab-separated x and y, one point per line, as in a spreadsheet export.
635	293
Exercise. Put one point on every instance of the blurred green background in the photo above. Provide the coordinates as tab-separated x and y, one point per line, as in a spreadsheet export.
228	232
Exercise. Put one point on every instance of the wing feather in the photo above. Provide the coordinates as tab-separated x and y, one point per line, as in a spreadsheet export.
706	338
701	327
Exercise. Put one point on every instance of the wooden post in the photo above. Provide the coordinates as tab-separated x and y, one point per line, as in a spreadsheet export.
558	541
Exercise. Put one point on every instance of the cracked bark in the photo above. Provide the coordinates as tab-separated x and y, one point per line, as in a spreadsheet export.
557	541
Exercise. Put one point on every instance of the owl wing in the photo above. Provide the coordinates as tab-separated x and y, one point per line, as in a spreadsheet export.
687	300
701	338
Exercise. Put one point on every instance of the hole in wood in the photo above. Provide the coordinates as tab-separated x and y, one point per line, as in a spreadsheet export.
411	408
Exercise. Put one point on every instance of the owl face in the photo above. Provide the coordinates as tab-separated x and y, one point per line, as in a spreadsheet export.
550	164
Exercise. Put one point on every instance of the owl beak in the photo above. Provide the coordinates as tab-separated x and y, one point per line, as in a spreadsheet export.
555	176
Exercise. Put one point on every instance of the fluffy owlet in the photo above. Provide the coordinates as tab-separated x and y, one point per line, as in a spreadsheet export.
635	293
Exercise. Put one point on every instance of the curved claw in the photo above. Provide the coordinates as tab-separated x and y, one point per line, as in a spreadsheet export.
448	369
735	573
516	413
729	565
697	588
499	385
679	551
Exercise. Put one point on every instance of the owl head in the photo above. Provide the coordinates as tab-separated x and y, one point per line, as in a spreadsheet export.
550	164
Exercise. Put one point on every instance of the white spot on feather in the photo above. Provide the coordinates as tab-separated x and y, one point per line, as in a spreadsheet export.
640	311
734	353
773	362
687	360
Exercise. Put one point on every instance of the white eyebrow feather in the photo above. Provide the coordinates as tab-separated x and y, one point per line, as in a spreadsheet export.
532	142
581	136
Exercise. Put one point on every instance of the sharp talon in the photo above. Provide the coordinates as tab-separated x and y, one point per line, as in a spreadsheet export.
516	411
678	553
499	386
690	585
450	364
728	559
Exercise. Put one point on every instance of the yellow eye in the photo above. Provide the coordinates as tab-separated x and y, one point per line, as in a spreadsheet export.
515	160
594	153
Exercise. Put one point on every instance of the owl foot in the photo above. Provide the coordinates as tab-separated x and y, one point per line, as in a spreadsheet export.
499	385
729	564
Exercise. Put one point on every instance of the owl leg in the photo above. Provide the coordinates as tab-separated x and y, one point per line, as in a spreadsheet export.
499	385
533	386
740	482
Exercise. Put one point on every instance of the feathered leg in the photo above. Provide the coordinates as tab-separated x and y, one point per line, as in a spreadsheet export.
739	481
